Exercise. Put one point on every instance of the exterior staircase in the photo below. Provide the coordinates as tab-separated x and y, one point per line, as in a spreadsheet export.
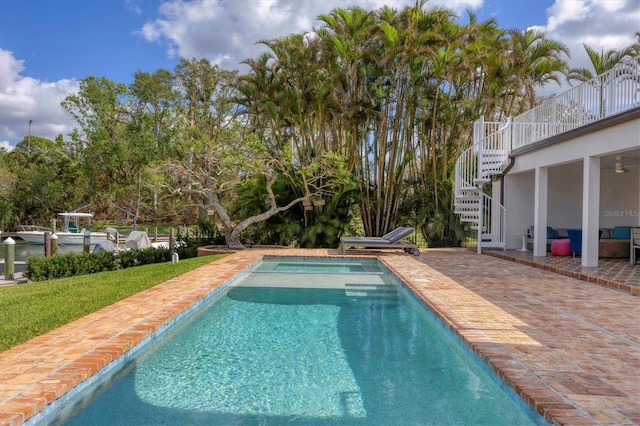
475	168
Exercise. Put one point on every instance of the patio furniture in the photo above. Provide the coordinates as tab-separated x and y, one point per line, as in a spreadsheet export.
392	240
552	234
612	248
561	247
524	242
635	245
617	245
575	238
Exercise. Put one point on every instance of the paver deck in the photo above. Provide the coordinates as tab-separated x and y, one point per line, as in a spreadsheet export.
569	348
618	274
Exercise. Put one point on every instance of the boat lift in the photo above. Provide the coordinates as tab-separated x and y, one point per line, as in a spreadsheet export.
129	214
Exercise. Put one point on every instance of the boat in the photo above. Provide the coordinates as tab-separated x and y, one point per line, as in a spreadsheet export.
70	234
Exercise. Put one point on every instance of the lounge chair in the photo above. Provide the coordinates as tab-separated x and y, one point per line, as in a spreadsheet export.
392	240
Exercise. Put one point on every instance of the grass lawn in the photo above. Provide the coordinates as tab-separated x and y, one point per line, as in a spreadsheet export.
29	310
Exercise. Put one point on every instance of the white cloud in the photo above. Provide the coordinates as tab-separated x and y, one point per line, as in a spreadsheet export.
5	145
600	24
227	32
24	98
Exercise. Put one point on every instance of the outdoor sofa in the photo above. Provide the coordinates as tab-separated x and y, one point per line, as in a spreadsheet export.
614	242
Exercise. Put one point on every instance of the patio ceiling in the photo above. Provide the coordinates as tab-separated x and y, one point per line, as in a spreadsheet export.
630	159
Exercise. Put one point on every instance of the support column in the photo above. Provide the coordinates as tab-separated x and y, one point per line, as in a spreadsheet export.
540	211
590	211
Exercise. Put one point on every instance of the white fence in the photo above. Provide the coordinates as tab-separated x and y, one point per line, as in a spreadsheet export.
610	93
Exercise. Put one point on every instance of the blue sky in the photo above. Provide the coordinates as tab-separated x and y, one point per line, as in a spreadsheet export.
47	46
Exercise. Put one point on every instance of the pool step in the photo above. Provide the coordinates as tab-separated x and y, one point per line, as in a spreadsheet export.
383	292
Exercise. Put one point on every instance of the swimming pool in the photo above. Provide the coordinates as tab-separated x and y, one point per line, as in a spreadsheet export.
308	342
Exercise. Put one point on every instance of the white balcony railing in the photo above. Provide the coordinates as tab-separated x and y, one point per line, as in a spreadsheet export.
610	93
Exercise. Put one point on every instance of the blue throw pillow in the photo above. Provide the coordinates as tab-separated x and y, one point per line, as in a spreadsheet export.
622	233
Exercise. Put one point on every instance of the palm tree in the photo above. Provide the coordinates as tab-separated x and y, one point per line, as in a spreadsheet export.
533	61
601	63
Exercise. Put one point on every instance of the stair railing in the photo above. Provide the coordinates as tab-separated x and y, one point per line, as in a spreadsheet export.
465	172
493	219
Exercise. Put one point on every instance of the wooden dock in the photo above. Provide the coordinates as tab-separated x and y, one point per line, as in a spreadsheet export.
5	235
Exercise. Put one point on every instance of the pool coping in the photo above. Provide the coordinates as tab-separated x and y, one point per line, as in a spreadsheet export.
37	373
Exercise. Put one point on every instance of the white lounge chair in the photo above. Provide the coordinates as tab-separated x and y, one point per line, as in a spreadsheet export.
392	240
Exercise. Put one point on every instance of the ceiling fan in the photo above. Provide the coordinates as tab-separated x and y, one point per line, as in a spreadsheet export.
619	167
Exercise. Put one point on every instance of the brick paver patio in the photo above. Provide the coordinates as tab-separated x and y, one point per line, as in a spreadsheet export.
569	348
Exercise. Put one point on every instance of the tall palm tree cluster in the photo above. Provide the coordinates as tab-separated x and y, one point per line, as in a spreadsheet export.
364	117
395	93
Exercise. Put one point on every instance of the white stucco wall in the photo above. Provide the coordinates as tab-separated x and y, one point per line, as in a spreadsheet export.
518	198
565	196
619	198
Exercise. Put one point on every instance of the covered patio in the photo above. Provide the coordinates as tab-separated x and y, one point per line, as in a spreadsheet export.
587	180
618	274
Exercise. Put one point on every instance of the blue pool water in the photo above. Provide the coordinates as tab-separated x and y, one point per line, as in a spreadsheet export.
320	343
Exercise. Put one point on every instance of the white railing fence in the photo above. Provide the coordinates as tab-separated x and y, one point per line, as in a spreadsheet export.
493	219
610	93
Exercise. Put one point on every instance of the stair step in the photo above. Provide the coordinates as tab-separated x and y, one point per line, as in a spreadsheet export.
493	244
493	151
468	198
492	160
371	294
490	237
370	286
497	167
461	206
492	165
379	292
467	213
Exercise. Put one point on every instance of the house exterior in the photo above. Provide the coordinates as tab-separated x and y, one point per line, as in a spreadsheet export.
572	162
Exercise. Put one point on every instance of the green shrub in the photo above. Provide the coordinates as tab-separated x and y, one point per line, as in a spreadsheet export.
152	255
68	265
72	264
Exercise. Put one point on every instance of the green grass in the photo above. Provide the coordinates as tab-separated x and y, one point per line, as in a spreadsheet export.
29	310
